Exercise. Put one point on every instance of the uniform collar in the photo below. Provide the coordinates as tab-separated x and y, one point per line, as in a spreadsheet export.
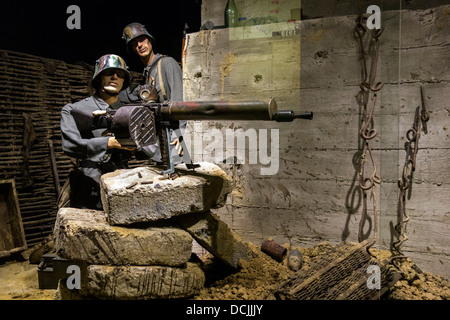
147	68
102	105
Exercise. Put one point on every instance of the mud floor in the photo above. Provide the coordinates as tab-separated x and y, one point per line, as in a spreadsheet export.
256	280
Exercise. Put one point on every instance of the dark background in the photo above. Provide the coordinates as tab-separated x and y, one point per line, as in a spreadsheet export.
39	27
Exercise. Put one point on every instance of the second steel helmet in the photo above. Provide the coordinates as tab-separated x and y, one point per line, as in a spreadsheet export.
111	61
134	30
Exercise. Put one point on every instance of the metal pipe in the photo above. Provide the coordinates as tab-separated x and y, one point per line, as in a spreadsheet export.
219	110
273	249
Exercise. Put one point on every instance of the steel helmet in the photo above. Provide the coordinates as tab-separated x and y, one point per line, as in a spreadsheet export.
111	61
134	30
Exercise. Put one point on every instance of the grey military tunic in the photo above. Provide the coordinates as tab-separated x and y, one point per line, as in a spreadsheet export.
91	148
172	77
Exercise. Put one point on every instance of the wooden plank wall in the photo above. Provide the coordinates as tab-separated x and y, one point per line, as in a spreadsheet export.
315	66
32	92
36	89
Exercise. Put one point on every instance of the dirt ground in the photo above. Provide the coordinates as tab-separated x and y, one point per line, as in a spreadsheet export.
256	280
19	281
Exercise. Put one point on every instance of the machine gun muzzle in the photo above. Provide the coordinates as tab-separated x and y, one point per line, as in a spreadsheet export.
288	116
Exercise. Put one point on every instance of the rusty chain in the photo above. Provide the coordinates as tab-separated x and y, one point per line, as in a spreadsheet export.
367	131
404	183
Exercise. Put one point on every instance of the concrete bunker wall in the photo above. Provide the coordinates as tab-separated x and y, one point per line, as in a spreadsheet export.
314	65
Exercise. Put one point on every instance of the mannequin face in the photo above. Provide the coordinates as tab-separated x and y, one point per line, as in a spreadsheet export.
143	48
111	81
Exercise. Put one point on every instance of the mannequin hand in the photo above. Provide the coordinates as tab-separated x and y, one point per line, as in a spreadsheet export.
113	143
178	147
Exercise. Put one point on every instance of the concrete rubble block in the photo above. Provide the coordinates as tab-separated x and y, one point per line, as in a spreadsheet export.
142	194
142	282
85	235
64	293
215	236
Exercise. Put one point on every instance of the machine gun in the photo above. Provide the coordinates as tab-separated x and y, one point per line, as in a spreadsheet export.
144	122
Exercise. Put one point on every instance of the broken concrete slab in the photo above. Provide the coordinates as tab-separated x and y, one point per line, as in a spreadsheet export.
215	236
85	235
142	194
142	282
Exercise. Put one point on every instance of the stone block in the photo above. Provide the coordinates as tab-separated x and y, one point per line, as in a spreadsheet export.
142	194
64	293
142	282
85	235
215	236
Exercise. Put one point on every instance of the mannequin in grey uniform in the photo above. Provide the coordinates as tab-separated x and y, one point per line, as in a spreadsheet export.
98	153
140	42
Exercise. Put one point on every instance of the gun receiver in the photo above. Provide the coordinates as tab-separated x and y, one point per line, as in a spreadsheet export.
142	123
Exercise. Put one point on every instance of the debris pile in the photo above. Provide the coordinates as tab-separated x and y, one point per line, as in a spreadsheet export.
140	246
262	277
416	284
341	274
